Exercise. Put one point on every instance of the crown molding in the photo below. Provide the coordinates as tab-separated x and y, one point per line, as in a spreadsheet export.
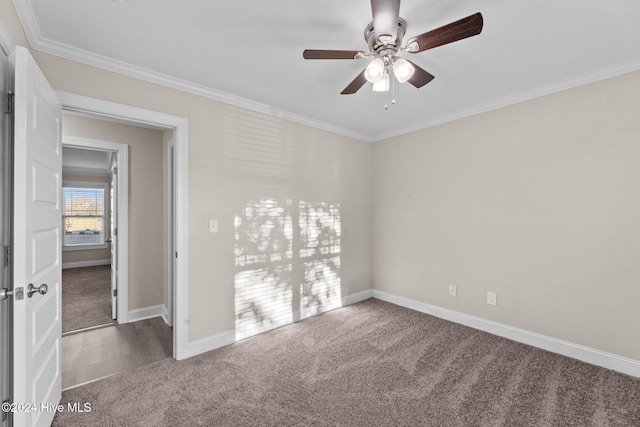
6	44
579	80
42	44
120	67
28	20
37	42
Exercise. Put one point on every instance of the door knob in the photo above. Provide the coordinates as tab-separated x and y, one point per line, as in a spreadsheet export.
42	289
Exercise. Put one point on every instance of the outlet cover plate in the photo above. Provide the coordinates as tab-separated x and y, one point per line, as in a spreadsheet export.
453	290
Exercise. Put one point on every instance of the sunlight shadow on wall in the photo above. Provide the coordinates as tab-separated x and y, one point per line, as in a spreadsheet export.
287	261
320	244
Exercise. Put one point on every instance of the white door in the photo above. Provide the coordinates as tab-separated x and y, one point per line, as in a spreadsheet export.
114	235
37	244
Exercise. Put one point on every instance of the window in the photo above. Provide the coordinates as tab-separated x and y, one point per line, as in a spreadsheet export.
84	215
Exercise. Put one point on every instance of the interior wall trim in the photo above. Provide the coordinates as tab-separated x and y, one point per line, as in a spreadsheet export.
6	44
80	264
165	316
554	345
122	214
575	81
42	44
222	339
146	312
38	42
180	126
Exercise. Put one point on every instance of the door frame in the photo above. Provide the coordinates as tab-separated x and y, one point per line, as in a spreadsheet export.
6	189
122	213
126	114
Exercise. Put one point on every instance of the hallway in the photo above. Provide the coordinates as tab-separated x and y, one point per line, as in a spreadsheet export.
98	353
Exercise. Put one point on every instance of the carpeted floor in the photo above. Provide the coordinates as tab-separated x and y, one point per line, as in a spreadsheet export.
86	297
369	364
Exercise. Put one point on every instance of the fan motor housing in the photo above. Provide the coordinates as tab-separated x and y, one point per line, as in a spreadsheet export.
378	48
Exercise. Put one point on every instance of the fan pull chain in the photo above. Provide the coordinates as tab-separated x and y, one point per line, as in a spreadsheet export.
393	93
393	88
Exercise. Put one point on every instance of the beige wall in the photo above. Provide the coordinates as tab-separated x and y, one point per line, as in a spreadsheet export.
71	256
538	202
146	201
236	156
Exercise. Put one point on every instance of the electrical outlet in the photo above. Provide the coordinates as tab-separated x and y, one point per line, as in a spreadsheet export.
453	290
492	298
213	226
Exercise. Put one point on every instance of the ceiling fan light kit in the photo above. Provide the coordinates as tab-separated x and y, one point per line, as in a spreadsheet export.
382	85
403	70
384	38
375	71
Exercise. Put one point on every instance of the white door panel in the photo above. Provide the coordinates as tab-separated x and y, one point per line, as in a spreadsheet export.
37	243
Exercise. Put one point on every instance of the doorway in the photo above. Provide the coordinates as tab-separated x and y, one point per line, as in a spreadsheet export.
89	242
180	255
37	320
128	176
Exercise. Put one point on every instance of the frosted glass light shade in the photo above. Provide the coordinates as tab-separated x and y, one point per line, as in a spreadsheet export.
383	84
403	70
375	71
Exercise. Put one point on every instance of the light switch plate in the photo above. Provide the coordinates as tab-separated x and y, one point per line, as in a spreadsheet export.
492	298
213	226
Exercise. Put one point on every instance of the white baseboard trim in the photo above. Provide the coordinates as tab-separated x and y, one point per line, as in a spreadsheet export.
357	297
213	342
146	312
209	343
165	316
92	263
554	345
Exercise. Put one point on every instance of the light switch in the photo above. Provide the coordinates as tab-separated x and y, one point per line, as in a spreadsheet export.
213	226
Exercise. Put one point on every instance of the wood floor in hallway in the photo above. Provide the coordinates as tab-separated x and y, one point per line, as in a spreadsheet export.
98	353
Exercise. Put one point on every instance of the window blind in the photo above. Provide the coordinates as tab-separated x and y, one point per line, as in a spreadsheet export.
83	216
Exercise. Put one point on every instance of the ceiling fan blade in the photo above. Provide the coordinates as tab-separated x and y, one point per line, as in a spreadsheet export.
386	14
420	76
458	30
355	85
332	54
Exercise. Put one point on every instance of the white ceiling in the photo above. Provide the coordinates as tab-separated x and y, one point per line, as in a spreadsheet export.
249	52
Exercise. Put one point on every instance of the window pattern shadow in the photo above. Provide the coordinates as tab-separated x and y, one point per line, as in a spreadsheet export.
288	262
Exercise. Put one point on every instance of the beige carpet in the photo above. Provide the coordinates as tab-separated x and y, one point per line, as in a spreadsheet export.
369	364
86	297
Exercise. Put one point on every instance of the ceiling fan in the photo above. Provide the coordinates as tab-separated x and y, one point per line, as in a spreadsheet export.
384	37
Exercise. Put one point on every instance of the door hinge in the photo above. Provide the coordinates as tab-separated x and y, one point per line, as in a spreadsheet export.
176	254
115	171
9	109
7	255
115	292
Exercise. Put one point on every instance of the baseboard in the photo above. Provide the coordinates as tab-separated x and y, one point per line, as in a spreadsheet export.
165	316
80	264
229	337
357	297
554	345
146	313
209	343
